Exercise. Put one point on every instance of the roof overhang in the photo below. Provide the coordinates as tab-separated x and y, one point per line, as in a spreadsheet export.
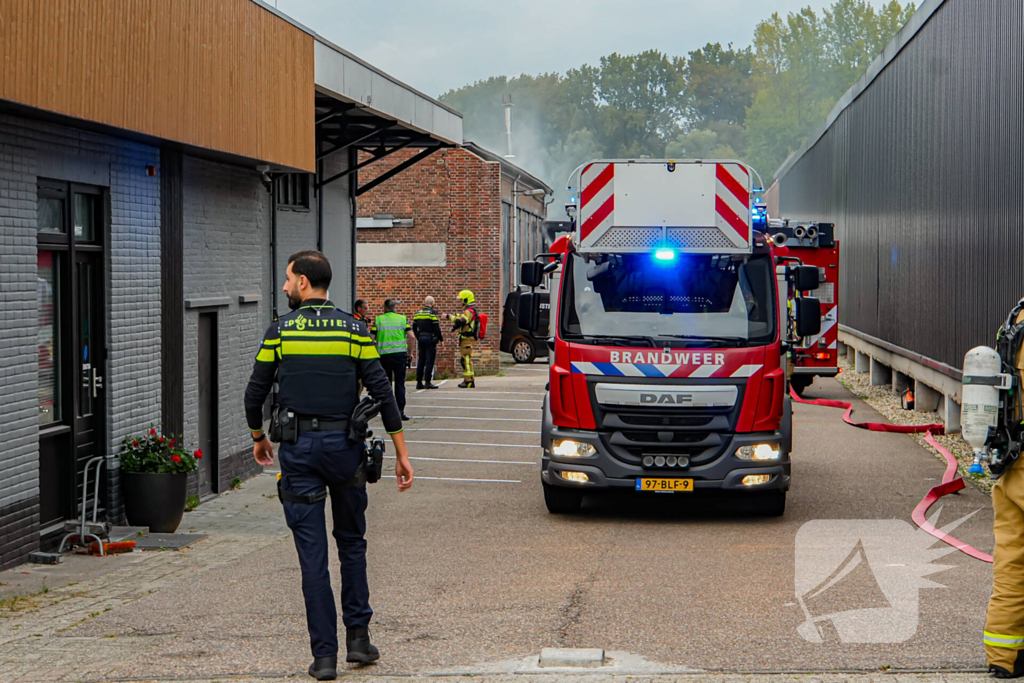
342	78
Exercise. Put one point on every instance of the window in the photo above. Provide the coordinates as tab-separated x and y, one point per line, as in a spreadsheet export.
293	191
48	290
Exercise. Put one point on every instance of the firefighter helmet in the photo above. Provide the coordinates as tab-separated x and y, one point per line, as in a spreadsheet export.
467	297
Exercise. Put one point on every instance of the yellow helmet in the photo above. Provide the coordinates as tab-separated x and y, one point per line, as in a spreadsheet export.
467	297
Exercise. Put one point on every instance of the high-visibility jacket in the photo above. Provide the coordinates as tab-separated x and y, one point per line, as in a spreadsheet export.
391	331
467	324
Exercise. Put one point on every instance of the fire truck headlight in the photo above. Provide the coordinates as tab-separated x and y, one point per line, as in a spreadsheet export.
567	448
761	451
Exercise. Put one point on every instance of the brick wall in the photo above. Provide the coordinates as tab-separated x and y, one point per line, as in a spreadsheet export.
453	197
227	253
28	150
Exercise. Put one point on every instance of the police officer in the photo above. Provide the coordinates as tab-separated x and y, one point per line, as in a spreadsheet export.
393	335
317	354
468	325
426	327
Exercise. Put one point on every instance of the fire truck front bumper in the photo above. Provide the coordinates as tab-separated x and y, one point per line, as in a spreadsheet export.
726	471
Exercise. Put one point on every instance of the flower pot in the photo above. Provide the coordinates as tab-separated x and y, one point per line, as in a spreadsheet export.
154	500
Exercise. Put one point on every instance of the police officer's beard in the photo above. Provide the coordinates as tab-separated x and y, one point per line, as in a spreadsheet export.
294	301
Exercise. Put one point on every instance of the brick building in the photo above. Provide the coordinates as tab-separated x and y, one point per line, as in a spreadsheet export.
147	209
445	226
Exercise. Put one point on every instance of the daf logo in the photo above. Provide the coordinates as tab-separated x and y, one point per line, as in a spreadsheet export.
671	399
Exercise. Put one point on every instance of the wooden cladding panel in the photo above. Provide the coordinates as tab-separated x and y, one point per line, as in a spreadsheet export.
225	75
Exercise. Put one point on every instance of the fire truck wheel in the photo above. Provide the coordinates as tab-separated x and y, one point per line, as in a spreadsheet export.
562	500
523	350
769	503
800	383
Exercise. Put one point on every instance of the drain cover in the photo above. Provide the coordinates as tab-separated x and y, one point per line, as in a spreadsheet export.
166	541
551	657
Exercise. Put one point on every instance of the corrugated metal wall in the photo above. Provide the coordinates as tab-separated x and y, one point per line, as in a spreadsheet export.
922	174
225	75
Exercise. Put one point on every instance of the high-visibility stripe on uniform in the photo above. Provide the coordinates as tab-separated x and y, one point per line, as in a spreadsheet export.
999	640
271	342
265	356
295	347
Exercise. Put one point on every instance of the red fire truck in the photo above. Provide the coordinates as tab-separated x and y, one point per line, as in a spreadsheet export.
670	324
814	244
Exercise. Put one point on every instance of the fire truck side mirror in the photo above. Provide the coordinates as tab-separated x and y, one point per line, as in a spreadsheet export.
528	314
808	316
531	273
805	278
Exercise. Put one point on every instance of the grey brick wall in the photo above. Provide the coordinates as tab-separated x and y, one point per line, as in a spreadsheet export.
296	230
31	149
227	247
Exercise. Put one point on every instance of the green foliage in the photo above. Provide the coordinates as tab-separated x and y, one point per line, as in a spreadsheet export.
236	483
757	103
153	452
192	502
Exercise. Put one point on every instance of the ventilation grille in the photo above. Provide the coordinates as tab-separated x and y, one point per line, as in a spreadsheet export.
619	238
698	238
666	420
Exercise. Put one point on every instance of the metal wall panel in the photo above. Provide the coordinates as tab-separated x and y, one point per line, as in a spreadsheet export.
224	75
922	175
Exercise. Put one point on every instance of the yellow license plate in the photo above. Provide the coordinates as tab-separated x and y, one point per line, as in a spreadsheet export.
670	485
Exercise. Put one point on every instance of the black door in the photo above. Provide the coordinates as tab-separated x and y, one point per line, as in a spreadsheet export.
71	344
208	402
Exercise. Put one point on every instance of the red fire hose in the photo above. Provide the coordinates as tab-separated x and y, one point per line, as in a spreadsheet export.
950	482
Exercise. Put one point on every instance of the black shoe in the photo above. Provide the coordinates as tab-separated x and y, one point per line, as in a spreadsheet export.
419	386
433	386
360	649
405	417
324	668
1000	672
467	385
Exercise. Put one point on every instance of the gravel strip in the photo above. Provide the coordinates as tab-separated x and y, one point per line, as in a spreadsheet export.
887	402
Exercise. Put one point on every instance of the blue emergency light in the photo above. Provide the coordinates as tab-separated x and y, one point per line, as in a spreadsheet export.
665	255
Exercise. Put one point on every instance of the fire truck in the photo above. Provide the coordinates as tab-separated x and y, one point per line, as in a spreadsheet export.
671	323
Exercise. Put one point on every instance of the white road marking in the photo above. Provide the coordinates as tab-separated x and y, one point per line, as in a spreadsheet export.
463	398
484	462
485	481
466	443
510	410
463	429
461	417
441	384
502	393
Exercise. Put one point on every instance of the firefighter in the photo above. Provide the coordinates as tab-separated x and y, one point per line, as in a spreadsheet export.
393	335
316	353
426	327
1004	626
468	326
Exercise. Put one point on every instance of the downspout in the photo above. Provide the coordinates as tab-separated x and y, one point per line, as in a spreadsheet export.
515	232
353	187
273	246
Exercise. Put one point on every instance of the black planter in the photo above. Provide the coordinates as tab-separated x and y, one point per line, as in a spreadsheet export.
154	500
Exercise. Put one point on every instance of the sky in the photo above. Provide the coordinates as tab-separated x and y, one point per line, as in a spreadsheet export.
438	45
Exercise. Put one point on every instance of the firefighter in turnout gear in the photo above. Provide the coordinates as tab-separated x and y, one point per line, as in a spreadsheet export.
393	333
317	354
426	327
468	325
1004	625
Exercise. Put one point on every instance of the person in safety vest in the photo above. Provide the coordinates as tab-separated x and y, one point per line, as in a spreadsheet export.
393	335
1004	625
426	327
317	353
468	326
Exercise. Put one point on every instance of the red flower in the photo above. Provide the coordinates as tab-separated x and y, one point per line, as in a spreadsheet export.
172	443
198	454
135	444
160	439
176	458
152	432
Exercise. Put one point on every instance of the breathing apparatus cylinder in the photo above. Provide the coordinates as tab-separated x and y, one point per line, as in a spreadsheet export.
980	408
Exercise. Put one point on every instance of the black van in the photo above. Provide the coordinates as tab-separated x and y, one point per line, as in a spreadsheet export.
522	344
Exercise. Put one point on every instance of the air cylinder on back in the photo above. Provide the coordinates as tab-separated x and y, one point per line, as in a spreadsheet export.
980	408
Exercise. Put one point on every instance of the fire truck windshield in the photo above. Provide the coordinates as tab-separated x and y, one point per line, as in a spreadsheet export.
693	299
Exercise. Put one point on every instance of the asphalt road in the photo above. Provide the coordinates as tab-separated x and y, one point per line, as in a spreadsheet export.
470	574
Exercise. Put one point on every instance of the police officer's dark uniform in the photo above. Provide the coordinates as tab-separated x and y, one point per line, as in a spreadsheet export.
318	354
426	326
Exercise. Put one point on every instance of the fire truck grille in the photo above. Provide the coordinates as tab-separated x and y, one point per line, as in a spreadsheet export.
698	238
630	237
666	420
677	437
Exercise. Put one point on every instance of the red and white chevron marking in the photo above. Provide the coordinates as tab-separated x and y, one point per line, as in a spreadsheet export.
597	198
732	202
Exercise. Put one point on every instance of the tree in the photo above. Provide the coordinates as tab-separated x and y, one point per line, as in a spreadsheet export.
719	84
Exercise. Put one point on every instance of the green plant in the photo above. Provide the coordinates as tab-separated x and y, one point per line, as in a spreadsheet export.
191	503
154	452
236	482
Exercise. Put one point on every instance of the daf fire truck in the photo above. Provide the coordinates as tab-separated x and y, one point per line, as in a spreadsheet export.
814	244
671	319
